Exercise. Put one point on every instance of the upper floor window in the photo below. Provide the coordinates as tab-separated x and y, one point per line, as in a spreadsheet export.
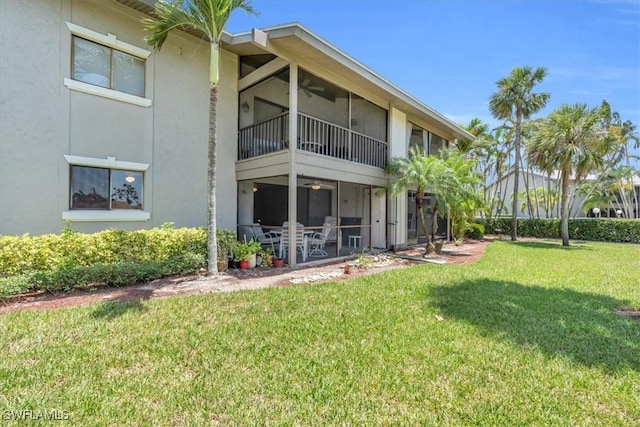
104	66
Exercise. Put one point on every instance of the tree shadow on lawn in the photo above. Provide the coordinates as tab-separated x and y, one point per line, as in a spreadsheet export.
557	322
551	245
116	308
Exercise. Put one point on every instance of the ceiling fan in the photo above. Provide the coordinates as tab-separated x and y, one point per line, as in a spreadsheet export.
309	90
317	185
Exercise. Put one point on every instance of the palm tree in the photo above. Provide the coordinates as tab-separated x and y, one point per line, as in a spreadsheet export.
208	17
419	171
514	102
572	141
462	197
446	176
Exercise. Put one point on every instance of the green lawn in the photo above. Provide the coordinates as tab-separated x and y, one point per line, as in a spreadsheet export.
528	337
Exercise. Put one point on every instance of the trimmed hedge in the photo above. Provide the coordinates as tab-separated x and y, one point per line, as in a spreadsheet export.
115	274
112	257
593	229
22	254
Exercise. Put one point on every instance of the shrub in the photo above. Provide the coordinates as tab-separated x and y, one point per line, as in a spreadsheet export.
109	258
476	232
593	229
113	274
22	254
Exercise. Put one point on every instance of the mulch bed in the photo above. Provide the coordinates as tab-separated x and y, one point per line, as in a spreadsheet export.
469	252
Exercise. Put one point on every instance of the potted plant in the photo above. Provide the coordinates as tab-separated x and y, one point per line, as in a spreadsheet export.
266	256
226	241
246	251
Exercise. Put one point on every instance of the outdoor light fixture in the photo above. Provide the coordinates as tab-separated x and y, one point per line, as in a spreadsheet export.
619	212
255	188
130	178
596	212
315	186
245	107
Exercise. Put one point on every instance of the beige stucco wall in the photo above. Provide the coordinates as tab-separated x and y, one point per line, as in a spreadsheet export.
34	115
42	120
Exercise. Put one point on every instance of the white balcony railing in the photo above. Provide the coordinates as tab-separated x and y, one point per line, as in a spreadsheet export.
314	135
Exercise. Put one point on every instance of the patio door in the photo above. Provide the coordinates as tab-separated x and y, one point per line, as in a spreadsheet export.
378	218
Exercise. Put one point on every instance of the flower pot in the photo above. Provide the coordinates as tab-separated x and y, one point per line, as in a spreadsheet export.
278	262
252	261
268	261
222	265
244	264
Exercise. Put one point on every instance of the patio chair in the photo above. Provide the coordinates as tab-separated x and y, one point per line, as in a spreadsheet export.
301	240
318	240
269	238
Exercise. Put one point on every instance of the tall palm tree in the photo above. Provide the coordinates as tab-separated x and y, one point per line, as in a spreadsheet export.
572	141
515	102
208	17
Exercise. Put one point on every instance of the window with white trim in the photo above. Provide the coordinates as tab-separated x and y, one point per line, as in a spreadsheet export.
105	189
107	67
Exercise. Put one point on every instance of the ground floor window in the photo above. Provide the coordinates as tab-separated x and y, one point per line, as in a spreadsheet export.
101	188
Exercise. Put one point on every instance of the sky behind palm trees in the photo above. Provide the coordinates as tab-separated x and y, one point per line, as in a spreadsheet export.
449	54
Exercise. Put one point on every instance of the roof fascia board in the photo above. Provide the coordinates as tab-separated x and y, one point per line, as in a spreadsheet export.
336	54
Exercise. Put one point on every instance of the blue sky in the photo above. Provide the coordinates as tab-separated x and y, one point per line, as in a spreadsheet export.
449	54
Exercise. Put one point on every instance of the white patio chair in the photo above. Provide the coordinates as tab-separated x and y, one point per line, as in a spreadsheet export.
270	238
301	240
318	240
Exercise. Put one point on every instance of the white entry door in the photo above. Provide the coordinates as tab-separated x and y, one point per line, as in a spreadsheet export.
379	218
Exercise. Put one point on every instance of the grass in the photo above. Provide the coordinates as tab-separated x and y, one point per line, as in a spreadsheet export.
528	337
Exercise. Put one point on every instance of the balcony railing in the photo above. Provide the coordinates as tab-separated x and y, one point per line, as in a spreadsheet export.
264	138
314	135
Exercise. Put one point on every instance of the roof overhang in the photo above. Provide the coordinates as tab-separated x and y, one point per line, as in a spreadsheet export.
301	42
293	40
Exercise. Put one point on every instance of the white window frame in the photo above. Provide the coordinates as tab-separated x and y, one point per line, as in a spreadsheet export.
110	41
114	215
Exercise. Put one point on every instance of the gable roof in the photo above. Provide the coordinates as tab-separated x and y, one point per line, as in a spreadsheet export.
295	38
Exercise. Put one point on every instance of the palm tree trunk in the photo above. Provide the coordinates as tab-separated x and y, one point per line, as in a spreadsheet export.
564	208
212	247
431	247
423	225
516	177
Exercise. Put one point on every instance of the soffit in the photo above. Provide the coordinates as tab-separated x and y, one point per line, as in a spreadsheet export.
294	42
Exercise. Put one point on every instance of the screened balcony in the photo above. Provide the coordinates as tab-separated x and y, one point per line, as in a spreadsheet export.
314	135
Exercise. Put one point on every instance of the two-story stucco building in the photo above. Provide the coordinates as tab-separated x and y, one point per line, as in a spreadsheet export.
98	129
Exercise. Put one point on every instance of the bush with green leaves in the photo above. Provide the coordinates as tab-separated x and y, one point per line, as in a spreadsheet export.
66	278
21	254
593	229
111	257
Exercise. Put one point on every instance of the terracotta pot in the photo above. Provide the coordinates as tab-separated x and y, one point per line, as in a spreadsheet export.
278	262
244	265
